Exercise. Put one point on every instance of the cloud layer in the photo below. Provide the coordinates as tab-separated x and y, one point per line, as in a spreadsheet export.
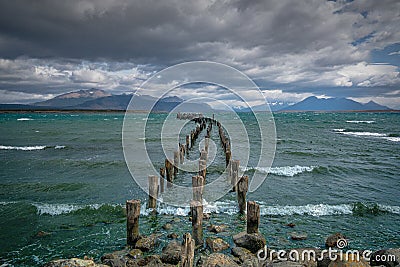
294	47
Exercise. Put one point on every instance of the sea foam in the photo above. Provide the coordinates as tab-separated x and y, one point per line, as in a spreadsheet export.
225	207
288	171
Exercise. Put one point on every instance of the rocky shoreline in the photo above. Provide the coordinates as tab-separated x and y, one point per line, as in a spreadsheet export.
249	250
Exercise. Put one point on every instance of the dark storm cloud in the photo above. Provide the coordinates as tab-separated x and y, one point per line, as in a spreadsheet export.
48	47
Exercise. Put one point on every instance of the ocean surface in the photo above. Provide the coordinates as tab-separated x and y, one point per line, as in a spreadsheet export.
64	182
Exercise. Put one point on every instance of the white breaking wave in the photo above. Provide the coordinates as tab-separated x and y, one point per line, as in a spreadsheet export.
369	134
339	130
24	148
24	119
360	121
218	207
58	209
288	171
28	148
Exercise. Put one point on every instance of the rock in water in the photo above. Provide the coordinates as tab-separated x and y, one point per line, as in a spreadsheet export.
74	262
171	253
332	240
298	236
217	228
217	260
351	261
243	254
216	244
253	242
147	243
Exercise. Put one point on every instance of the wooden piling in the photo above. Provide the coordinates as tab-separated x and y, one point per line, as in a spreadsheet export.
132	221
169	172
242	188
176	162
253	217
187	251
182	153
203	169
206	144
197	185
235	174
162	177
228	157
196	209
153	192
187	144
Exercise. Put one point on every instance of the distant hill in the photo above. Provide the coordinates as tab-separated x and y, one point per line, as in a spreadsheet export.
95	99
313	103
73	98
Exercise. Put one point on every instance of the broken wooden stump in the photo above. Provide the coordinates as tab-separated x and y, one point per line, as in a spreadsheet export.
203	169
187	251
132	221
242	188
196	209
253	217
153	191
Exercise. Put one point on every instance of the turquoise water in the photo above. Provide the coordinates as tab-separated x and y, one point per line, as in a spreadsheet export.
65	175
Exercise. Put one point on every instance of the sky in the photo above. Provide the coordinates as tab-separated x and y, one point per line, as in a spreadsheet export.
290	49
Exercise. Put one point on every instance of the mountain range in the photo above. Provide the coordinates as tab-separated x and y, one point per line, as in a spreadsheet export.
313	103
96	99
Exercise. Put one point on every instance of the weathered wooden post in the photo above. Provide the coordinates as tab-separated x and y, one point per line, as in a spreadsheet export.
235	174
203	155
153	192
253	217
228	157
242	187
197	185
176	162
132	221
162	177
196	209
187	251
169	171
206	144
203	169
187	144
182	153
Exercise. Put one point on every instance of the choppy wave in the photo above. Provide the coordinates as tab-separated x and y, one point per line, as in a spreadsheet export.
389	137
24	119
288	171
29	148
24	148
361	122
222	207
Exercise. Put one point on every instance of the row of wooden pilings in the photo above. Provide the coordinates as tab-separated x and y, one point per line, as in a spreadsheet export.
239	185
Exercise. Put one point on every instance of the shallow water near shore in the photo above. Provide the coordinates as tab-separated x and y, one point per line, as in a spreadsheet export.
64	176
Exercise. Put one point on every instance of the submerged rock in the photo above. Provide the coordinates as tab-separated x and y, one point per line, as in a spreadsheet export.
298	236
217	228
173	236
243	254
216	244
253	242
